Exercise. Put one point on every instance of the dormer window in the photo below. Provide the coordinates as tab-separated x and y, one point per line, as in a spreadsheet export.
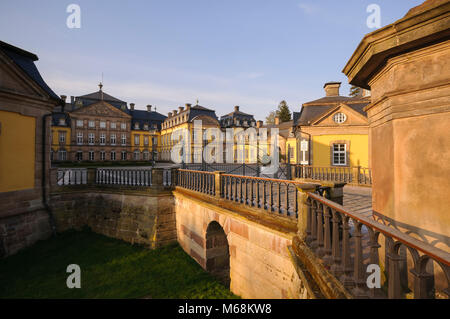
145	126
136	126
62	122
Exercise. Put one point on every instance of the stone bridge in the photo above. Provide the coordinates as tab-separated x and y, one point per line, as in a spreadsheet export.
249	251
265	238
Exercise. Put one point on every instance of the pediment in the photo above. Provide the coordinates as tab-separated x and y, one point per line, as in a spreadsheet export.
13	79
101	108
352	117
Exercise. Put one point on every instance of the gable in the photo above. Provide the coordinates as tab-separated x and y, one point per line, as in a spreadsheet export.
12	79
102	108
352	117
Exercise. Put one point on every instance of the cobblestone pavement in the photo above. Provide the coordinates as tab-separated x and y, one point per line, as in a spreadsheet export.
358	203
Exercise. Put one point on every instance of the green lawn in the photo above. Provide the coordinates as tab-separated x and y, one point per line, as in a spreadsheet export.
110	268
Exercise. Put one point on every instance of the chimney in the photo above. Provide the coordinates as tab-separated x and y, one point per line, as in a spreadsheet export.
132	106
63	98
277	120
149	108
123	107
174	112
332	88
259	124
169	114
236	108
180	109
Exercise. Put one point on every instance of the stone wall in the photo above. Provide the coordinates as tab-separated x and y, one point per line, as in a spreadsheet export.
22	230
141	217
260	265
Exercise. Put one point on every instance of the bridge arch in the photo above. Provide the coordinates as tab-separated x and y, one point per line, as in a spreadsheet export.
217	252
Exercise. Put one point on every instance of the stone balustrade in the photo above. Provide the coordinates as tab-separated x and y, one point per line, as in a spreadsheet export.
112	176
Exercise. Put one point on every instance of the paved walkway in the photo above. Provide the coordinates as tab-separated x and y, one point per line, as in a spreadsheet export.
358	202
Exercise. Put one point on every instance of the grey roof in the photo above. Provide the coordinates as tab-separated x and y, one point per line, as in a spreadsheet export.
311	112
98	96
25	60
197	110
144	117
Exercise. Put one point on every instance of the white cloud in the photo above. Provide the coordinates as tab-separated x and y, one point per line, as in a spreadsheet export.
307	8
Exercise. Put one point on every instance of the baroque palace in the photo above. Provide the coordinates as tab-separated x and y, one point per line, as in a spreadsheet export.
97	127
100	127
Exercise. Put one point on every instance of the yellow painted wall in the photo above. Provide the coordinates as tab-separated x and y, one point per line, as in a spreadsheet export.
141	134
17	151
359	149
55	138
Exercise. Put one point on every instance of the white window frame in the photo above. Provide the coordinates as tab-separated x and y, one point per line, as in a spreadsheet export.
62	137
78	157
102	155
80	123
136	155
124	139
102	138
62	155
123	126
102	124
113	125
339	152
91	138
137	139
113	155
80	138
91	155
113	139
91	124
123	155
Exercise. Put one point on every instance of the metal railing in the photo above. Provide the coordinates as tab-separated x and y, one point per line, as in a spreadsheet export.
351	175
348	242
273	195
199	181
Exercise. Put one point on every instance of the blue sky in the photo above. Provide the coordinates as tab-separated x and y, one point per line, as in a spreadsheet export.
167	53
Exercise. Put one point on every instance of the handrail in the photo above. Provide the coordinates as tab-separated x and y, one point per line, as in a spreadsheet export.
194	171
287	181
424	247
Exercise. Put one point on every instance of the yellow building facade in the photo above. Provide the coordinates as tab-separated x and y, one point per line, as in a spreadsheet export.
333	131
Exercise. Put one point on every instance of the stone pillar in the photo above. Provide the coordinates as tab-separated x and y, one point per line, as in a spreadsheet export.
303	211
218	184
157	176
335	192
409	116
91	172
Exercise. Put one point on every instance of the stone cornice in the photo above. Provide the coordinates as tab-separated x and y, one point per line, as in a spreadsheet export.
409	33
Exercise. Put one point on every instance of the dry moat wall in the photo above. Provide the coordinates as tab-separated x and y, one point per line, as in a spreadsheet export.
141	217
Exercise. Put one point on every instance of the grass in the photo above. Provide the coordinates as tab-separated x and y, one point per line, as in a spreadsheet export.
110	268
